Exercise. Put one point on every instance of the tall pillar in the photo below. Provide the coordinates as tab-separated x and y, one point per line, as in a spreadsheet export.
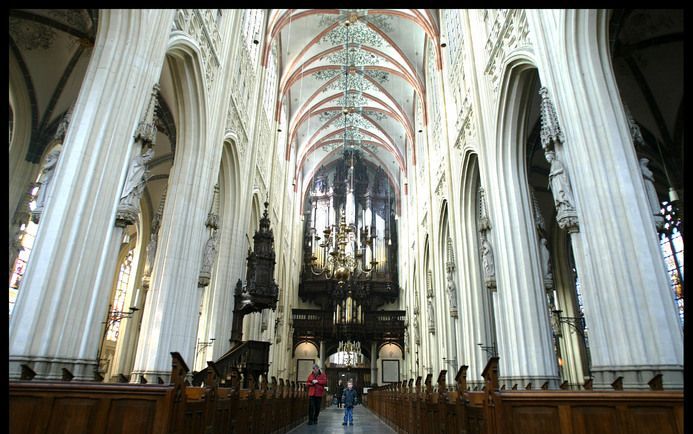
64	296
634	329
322	355
523	330
171	313
374	364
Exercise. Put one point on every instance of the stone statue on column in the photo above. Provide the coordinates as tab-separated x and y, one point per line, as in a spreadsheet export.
488	263
44	181
153	242
431	316
211	246
545	263
137	176
559	182
151	248
452	293
653	201
208	257
138	170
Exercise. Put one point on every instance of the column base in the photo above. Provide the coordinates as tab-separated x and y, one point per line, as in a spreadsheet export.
52	369
151	377
637	377
522	382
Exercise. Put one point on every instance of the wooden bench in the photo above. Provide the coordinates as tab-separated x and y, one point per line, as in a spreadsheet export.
530	410
67	407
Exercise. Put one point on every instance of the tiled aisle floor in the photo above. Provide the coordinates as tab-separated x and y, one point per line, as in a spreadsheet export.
331	418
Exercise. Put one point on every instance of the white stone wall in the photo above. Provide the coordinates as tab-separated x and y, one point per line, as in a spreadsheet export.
224	134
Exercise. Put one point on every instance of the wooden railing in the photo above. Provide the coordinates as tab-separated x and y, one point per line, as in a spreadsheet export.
176	408
413	409
251	357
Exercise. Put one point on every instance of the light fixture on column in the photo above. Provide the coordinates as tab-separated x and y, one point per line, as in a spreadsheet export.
114	316
489	349
576	322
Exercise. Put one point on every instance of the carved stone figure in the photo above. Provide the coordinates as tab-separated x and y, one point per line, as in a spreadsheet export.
559	183
137	176
431	317
45	180
452	293
151	247
545	262
488	262
208	257
652	198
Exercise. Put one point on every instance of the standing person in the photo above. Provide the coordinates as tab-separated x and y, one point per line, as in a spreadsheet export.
349	400
316	389
340	391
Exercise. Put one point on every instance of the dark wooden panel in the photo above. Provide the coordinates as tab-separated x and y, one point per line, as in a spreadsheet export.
131	416
595	420
29	414
75	416
534	419
645	420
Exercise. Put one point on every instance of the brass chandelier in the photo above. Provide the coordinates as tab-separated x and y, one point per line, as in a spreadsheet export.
340	263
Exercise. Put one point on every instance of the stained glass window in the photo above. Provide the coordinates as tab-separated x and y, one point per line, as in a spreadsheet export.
671	243
271	83
119	298
252	33
27	233
456	58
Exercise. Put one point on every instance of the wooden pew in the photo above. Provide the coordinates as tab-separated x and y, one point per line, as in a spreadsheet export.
526	410
69	407
89	408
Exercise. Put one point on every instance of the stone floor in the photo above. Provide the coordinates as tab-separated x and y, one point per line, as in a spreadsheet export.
331	418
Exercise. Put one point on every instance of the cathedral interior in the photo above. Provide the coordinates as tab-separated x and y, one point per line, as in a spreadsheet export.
388	193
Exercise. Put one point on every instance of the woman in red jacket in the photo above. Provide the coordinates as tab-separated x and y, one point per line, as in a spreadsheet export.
316	389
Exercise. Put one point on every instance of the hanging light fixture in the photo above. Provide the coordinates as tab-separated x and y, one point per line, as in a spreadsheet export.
351	351
341	263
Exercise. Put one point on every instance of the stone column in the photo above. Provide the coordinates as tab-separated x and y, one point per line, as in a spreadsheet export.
56	323
374	363
322	355
523	330
634	329
170	315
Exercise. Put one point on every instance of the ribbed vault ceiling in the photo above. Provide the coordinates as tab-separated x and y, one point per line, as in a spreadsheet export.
369	62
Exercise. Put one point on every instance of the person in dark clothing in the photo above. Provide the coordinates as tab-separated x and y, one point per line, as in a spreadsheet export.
340	391
316	389
349	399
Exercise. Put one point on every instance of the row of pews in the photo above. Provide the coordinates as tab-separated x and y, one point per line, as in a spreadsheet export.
409	408
67	407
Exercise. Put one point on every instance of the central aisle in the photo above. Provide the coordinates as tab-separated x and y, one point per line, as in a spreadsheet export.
331	418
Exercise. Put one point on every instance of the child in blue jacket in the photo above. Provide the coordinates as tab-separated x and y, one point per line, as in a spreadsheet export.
349	400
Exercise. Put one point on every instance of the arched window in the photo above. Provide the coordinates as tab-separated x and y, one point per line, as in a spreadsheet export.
453	23
119	297
252	33
671	243
271	83
25	239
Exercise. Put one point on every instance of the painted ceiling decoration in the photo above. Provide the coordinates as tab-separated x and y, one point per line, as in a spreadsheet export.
61	38
354	76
